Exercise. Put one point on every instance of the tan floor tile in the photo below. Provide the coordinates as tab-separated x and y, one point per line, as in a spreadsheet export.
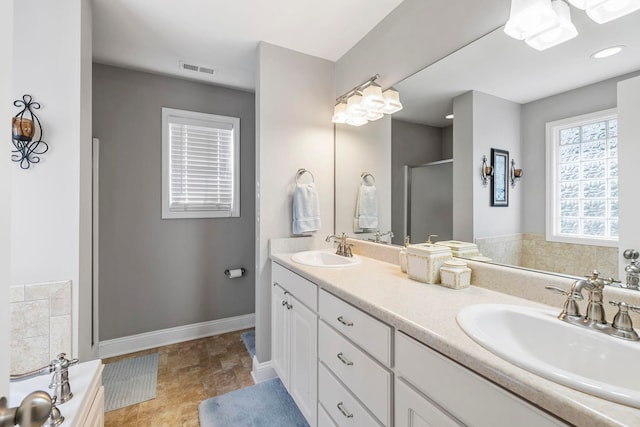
188	373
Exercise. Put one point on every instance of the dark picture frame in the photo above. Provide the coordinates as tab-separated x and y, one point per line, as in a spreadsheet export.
499	185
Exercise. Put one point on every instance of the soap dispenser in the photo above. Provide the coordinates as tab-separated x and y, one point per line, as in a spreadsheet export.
403	254
633	269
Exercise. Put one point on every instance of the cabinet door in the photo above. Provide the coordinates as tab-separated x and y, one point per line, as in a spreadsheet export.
304	359
280	334
413	410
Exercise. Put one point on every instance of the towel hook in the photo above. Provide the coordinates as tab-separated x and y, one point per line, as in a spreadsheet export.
364	176
301	172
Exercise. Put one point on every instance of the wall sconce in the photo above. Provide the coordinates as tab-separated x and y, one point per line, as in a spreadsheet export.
366	102
487	171
515	174
24	127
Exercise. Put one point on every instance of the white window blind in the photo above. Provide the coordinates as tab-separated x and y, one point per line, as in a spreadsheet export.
200	165
583	179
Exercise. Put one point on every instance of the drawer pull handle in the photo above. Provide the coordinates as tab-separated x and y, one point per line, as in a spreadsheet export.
284	303
289	306
346	413
276	284
344	322
344	359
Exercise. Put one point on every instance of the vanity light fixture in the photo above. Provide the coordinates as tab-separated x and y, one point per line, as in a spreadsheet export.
528	18
564	31
515	174
607	52
449	117
602	11
366	102
487	171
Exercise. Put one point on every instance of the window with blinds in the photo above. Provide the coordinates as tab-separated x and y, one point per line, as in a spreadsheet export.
200	172
582	188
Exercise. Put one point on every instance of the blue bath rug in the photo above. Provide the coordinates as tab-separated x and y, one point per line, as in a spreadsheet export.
249	340
266	404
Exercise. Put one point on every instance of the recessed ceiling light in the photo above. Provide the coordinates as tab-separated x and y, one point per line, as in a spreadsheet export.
449	116
604	53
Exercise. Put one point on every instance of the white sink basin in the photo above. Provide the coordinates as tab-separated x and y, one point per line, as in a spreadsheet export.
324	259
535	340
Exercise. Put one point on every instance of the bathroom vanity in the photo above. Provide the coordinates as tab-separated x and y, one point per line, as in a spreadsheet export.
86	407
390	352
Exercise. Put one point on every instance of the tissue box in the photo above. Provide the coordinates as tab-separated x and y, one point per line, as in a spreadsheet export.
424	261
455	274
460	249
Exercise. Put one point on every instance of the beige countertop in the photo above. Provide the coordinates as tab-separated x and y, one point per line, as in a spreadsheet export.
428	314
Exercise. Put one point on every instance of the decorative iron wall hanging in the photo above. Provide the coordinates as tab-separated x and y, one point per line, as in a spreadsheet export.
25	127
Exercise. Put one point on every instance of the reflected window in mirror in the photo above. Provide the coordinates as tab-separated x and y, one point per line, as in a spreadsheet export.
582	179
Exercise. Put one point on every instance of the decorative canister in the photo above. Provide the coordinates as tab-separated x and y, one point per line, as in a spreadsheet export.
424	261
460	249
455	274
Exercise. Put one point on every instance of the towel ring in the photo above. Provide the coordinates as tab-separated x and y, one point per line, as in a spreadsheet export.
365	175
301	172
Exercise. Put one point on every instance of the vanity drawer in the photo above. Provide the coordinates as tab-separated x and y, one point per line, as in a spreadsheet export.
343	408
369	333
461	392
365	377
324	420
305	291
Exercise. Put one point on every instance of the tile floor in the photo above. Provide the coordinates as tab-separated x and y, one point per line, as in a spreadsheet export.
188	373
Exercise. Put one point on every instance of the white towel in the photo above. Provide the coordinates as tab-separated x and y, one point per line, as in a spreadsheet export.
366	216
306	209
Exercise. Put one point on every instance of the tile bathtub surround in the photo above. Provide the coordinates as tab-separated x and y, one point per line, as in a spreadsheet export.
40	324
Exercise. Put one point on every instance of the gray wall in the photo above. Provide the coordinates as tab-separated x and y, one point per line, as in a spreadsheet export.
535	115
411	144
154	273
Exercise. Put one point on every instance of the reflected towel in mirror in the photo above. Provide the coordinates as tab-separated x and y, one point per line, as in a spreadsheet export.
366	216
306	209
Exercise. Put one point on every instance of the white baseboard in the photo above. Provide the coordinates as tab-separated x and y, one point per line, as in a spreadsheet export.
262	371
147	340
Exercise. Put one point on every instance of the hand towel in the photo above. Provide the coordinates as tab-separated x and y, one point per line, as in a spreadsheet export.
306	209
366	216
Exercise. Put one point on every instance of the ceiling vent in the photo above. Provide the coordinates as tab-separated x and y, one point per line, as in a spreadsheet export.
197	68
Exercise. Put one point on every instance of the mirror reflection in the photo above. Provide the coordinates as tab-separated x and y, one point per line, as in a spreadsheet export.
495	93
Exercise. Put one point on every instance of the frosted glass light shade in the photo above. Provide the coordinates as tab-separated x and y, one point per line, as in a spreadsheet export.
529	18
357	120
563	32
373	115
354	106
611	9
340	113
372	98
392	102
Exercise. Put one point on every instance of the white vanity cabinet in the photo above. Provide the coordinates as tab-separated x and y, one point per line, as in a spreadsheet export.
431	389
294	328
355	380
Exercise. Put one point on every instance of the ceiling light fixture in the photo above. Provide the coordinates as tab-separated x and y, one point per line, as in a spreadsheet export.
529	18
605	53
602	11
366	102
449	117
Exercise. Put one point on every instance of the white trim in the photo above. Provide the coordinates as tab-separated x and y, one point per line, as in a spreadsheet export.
95	255
262	371
147	340
551	158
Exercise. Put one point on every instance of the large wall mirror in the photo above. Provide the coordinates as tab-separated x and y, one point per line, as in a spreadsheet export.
501	94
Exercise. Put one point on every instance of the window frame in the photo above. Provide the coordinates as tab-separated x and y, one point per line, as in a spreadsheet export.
234	122
552	207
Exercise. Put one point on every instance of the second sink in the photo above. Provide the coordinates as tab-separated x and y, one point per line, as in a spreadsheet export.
535	340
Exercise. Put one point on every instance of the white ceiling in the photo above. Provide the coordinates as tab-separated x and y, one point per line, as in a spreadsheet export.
223	34
501	66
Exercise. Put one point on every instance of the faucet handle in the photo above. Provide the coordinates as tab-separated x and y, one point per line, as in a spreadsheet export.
622	324
570	308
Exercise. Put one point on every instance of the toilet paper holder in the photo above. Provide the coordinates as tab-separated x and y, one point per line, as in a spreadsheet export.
233	273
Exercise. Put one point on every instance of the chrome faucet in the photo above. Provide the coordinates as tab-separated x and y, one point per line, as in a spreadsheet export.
594	318
379	234
344	248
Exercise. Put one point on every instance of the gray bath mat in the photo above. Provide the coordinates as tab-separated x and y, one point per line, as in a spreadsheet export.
130	381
